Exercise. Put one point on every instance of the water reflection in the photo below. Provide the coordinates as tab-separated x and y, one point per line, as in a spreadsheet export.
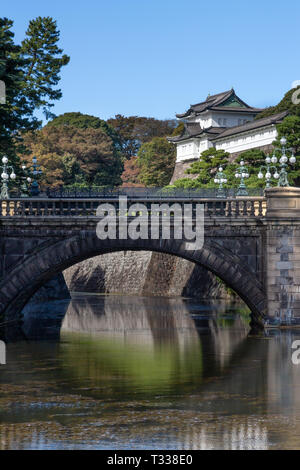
129	372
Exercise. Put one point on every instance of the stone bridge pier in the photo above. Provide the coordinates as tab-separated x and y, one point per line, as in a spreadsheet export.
282	267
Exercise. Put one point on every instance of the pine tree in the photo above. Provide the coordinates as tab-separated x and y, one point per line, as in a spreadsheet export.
16	114
30	73
43	63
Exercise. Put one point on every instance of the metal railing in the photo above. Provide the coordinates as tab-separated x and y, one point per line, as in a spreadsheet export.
62	192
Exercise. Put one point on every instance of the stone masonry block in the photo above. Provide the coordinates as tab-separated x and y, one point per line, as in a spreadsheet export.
284	265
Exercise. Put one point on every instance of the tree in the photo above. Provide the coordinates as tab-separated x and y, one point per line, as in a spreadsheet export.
253	159
30	72
210	160
44	61
156	160
205	168
124	126
178	129
69	155
133	131
286	104
16	113
146	128
85	121
130	175
290	129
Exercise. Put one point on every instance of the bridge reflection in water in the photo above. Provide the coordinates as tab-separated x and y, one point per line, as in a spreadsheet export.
134	372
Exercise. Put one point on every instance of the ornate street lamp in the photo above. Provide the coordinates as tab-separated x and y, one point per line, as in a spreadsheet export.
35	171
242	173
5	177
268	167
25	179
283	161
220	179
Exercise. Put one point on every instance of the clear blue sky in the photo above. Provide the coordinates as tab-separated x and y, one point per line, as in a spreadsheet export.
155	57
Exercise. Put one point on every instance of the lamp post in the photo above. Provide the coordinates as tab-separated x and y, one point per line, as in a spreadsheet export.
5	177
220	179
25	179
268	167
283	161
242	173
35	190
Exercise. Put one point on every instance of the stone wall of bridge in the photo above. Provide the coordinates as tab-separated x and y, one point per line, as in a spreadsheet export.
255	252
34	252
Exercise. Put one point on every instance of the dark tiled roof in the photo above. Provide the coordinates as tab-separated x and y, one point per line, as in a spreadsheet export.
216	133
214	130
194	130
229	109
267	121
216	100
217	97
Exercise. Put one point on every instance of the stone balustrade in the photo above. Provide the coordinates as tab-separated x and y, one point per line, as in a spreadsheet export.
86	207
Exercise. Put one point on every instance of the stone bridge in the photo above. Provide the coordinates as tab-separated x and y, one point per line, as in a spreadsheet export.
251	243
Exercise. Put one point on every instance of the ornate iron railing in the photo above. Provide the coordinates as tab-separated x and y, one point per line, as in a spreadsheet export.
144	193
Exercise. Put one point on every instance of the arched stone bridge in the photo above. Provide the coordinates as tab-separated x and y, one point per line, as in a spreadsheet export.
252	244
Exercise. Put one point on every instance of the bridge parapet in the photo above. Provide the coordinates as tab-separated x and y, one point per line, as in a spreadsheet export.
86	207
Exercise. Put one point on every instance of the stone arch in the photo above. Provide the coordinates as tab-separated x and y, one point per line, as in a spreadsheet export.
25	278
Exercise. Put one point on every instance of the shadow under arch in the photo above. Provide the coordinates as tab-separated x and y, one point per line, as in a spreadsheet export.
39	266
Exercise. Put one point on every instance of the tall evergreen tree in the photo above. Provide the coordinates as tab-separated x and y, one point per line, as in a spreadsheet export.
30	73
44	61
16	113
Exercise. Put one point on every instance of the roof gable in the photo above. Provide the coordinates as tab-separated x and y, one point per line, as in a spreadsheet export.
227	99
232	102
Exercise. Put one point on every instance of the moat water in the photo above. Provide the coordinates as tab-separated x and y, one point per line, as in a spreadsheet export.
117	372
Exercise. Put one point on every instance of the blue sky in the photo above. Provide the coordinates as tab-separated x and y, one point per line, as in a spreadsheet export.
155	57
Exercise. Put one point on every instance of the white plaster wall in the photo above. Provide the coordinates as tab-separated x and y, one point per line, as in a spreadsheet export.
230	119
242	142
205	120
191	149
219	119
187	150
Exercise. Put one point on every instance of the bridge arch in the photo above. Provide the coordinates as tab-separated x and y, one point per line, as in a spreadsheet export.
50	258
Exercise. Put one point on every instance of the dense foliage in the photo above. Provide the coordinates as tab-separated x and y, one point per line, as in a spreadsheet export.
30	72
206	168
70	155
64	163
156	160
130	175
44	60
133	131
